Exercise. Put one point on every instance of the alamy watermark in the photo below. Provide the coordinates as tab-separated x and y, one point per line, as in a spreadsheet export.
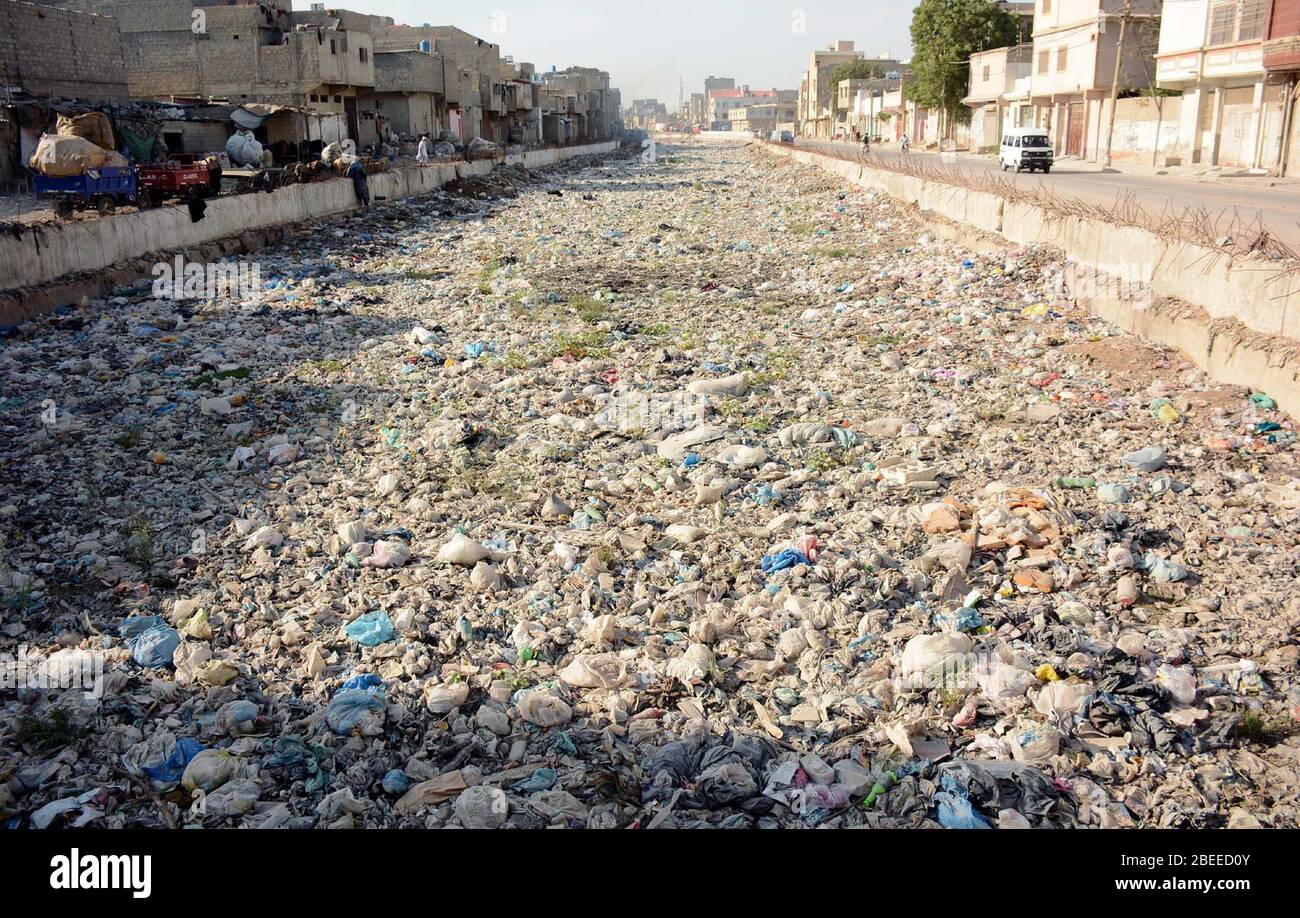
652	412
1128	282
195	280
64	669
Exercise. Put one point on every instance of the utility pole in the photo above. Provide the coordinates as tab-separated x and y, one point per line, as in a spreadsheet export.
1114	86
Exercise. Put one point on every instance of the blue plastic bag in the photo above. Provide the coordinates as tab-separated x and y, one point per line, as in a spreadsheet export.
150	639
785	560
542	779
173	767
350	708
955	812
371	629
367	681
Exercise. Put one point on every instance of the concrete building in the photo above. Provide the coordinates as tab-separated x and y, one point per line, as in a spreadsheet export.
475	93
816	114
247	51
695	109
409	97
1282	64
1212	51
523	102
999	94
644	114
859	103
762	117
57	52
1075	46
592	106
722	102
892	116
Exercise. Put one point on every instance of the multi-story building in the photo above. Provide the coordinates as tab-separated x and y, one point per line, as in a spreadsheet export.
523	102
476	94
893	116
247	51
1282	64
1076	43
816	111
409	96
762	117
695	109
644	114
999	94
724	101
594	115
58	52
859	102
1212	51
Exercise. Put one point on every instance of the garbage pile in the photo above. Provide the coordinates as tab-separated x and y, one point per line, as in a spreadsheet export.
705	492
478	148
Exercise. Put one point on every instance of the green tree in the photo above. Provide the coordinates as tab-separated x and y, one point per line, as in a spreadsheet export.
944	35
852	70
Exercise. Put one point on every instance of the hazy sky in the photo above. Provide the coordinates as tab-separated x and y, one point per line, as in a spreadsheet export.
646	45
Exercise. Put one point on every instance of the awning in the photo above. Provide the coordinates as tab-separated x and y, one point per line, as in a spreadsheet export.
252	115
246	120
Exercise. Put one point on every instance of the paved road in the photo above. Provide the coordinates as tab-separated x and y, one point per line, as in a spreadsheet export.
1278	208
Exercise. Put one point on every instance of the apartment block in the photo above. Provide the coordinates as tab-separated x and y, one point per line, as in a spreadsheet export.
816	111
1212	51
409	97
1076	43
763	117
999	95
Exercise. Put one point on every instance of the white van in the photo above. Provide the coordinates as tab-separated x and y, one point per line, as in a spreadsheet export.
1026	148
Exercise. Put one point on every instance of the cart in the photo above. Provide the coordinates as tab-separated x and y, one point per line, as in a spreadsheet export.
182	175
104	189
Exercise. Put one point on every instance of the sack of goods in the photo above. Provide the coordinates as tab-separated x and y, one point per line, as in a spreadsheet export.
244	149
58	156
92	126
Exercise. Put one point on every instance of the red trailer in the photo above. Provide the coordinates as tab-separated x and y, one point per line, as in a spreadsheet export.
182	176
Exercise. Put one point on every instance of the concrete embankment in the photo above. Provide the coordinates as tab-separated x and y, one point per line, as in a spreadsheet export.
45	265
1237	318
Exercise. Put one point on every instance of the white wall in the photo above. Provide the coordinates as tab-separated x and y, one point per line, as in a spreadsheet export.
1182	27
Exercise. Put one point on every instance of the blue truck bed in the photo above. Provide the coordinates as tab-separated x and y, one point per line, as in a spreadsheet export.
117	181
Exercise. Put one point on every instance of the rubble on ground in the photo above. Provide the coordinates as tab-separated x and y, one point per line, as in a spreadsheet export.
706	492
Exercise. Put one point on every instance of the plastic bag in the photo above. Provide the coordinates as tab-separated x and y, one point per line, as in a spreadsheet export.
371	629
956	812
150	639
244	149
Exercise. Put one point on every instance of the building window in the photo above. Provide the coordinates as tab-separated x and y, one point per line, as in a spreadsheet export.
334	48
985	77
1043	57
1222	15
338	100
365	55
1047	7
1062	58
1253	23
1237	20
